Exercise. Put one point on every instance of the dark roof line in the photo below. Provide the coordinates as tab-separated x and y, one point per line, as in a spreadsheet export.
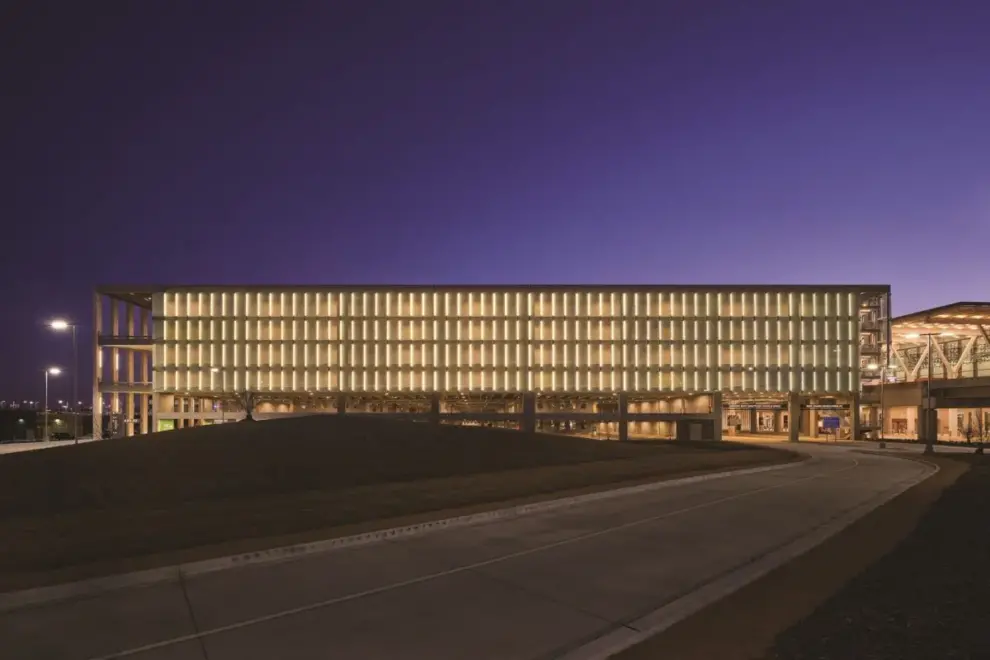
149	289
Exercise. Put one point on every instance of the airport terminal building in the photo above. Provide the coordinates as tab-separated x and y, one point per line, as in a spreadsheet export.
935	382
609	361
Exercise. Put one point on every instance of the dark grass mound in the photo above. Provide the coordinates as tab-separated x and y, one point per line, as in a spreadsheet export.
929	599
321	453
118	505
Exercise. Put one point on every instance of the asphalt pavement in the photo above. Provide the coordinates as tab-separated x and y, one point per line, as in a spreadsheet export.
547	585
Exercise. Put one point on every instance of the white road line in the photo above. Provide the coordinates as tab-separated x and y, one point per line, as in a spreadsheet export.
454	571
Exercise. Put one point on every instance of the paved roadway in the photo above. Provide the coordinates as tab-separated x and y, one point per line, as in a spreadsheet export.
537	586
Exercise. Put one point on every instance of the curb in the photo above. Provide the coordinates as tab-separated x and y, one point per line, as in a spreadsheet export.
40	595
666	616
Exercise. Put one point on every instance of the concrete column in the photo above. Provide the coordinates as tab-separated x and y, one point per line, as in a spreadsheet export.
716	404
341	404
528	422
97	364
623	417
922	424
153	415
812	420
145	372
854	421
752	421
435	407
927	424
129	397
166	403
793	416
115	361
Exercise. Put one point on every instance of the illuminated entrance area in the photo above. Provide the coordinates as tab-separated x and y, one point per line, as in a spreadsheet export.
816	417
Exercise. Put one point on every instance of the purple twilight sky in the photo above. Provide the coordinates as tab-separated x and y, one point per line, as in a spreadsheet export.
517	141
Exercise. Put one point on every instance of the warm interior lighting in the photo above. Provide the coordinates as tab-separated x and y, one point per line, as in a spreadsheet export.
561	341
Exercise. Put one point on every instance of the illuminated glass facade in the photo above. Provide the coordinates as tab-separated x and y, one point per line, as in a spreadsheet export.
730	339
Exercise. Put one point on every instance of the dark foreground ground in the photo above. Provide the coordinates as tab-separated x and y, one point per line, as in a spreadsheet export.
909	581
118	505
928	599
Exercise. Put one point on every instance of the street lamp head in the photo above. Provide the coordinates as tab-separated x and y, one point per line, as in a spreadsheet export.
54	371
215	370
59	324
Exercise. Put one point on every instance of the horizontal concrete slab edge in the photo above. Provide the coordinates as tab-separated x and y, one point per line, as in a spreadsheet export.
39	595
654	623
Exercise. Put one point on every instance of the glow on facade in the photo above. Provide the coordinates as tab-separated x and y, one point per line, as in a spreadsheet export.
620	339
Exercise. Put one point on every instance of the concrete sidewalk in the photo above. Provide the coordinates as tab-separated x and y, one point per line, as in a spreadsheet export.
872	445
15	447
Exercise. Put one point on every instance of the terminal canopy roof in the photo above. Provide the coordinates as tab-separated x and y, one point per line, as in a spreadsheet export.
961	319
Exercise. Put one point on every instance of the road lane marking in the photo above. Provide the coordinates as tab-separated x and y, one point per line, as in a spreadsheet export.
454	571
